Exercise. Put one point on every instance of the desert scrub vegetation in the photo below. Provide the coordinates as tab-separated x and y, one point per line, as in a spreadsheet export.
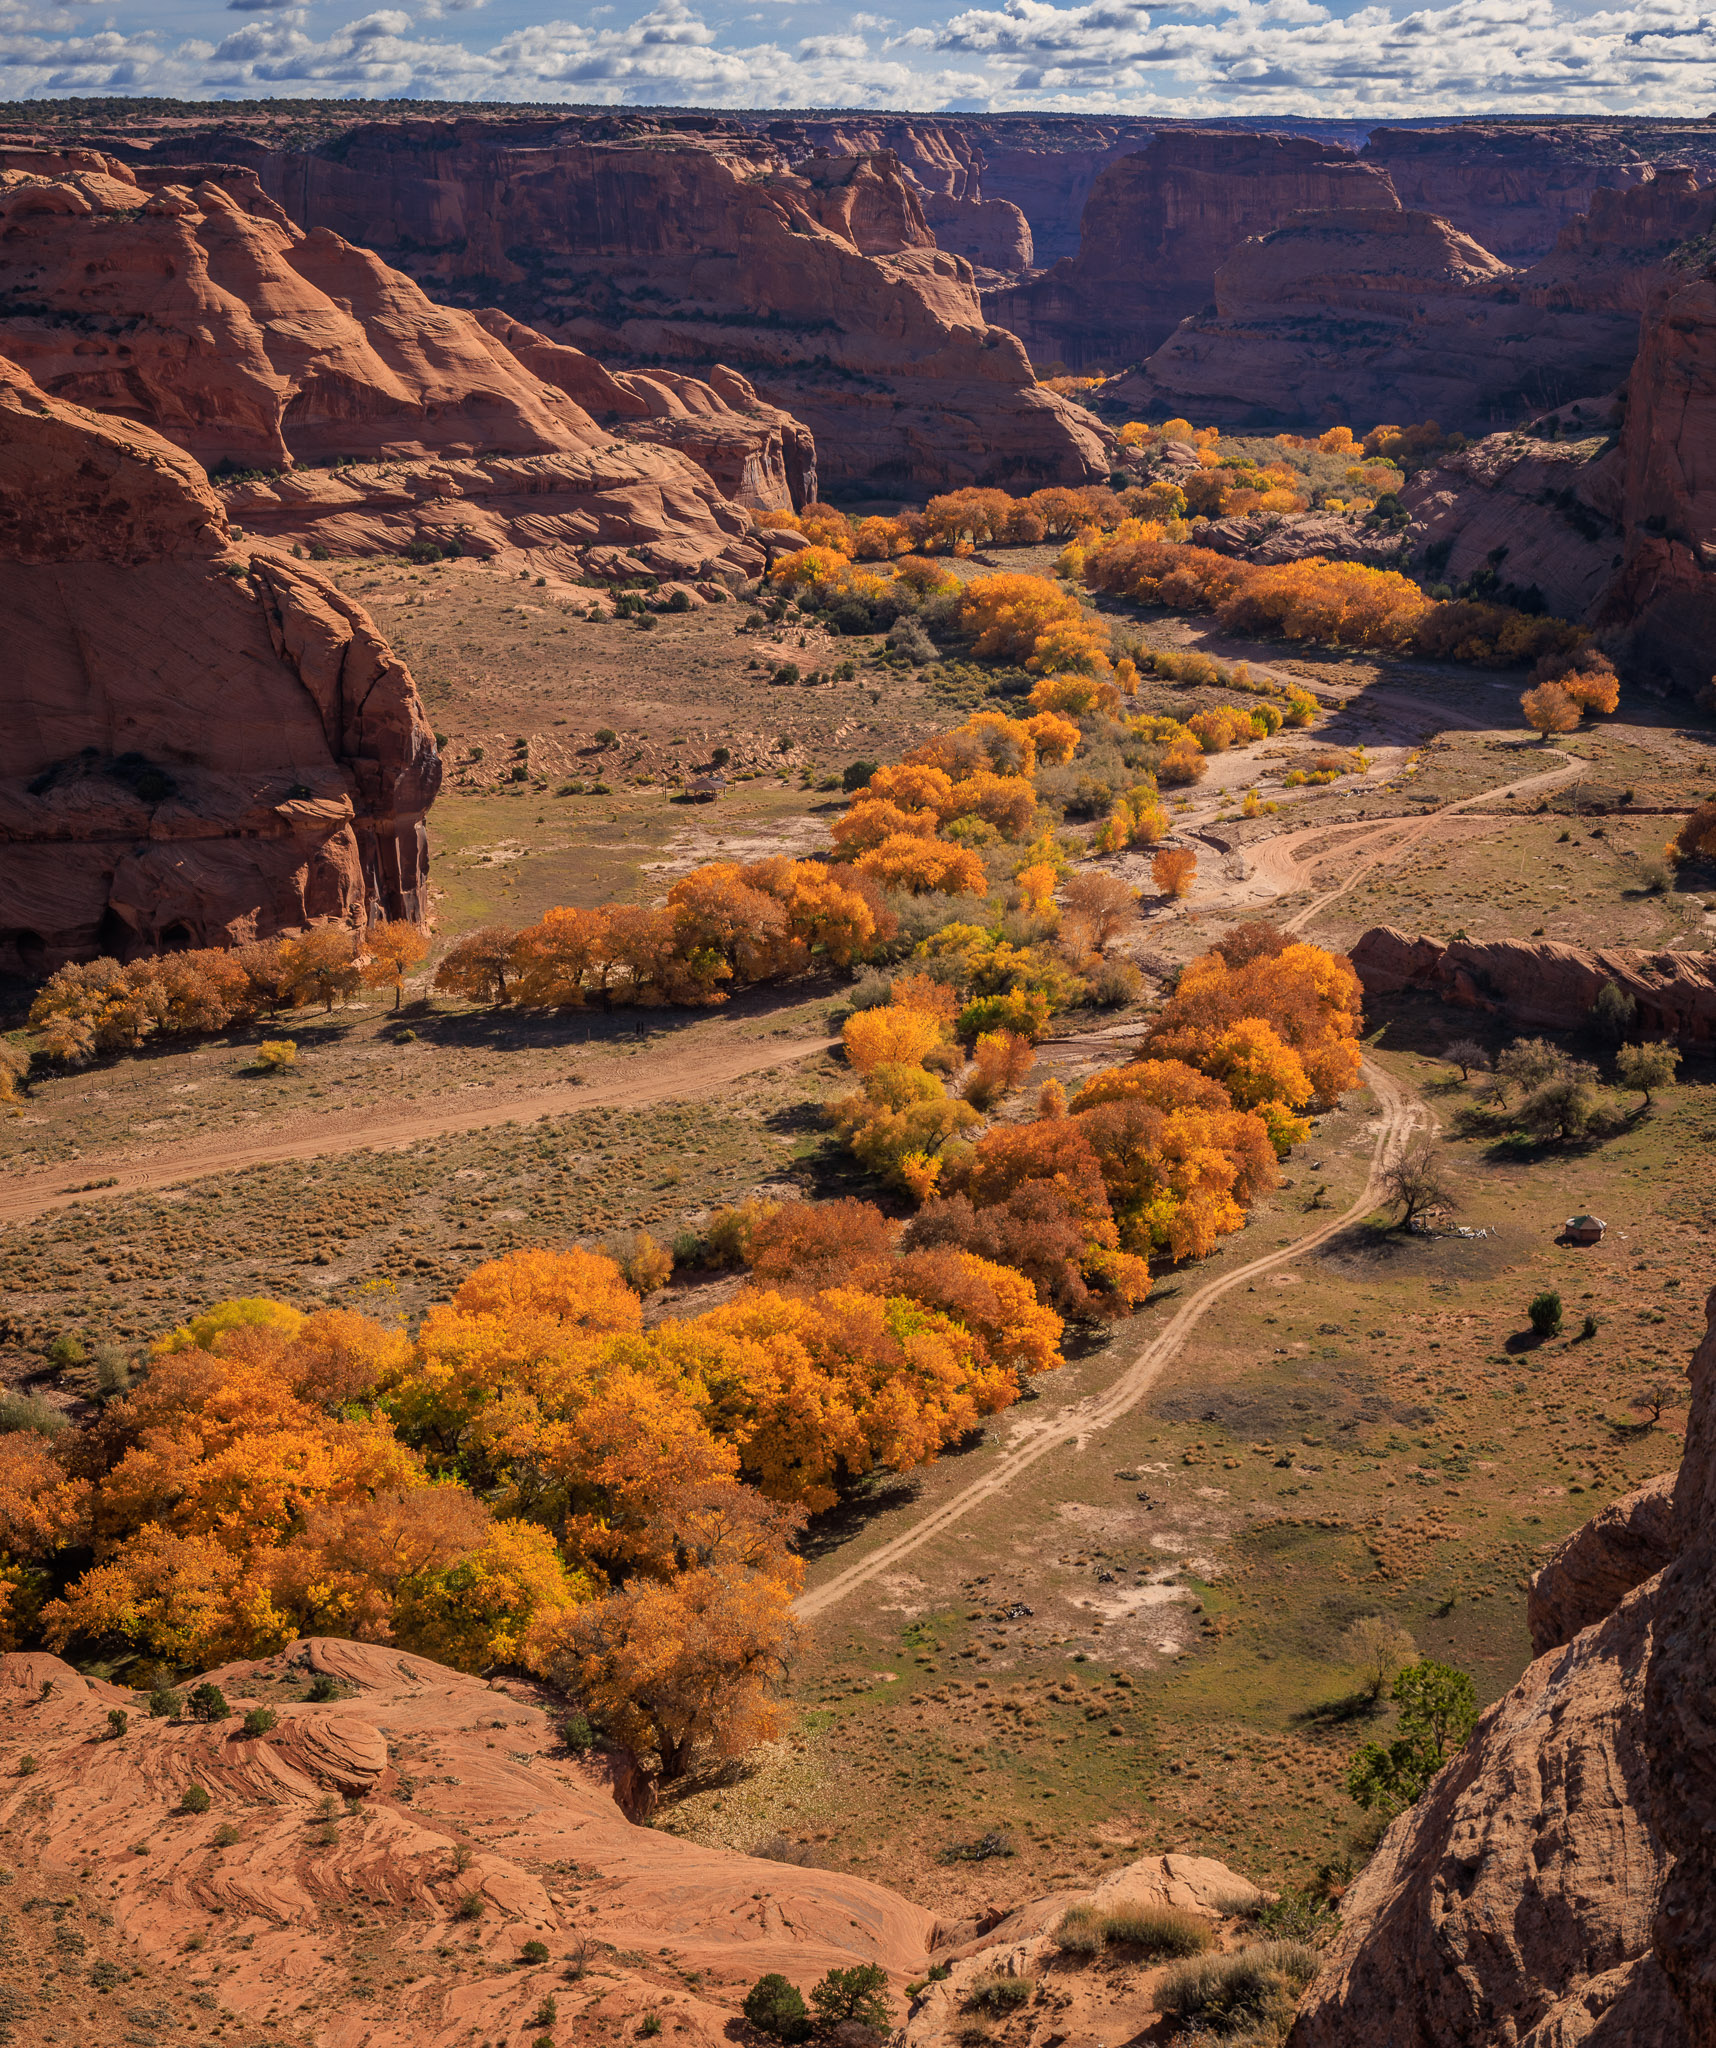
1245	1997
1155	1931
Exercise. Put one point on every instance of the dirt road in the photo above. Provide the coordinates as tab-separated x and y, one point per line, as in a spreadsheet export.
651	1077
1400	1114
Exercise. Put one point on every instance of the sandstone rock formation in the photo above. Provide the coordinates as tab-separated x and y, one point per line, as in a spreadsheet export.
1664	598
1511	188
199	748
1589	1576
1679	1729
1557	1883
820	284
1159	224
368	1931
757	454
1539	984
1360	317
376	416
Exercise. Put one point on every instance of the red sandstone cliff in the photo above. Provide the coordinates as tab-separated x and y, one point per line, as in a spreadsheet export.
1157	226
197	749
821	285
1360	317
1557	1883
379	417
1538	984
1511	188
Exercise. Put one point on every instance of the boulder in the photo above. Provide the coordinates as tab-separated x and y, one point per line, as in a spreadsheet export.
819	282
1159	224
350	411
1593	1571
203	744
1540	984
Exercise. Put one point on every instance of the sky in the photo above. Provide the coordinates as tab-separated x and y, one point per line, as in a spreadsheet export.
1234	58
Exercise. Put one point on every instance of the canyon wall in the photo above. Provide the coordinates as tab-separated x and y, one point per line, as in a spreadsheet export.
1538	984
1157	226
1356	317
1557	1882
199	748
820	284
355	413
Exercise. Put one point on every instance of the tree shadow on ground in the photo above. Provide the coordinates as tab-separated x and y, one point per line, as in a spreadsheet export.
851	1515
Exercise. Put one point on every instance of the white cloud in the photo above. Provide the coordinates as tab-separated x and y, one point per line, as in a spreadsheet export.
1245	57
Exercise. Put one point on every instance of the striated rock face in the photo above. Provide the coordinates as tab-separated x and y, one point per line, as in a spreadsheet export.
1512	188
1557	1883
674	1926
1545	515
1158	225
1600	1564
189	757
1665	594
756	454
1537	983
1358	317
1680	1727
197	309
820	284
1522	1888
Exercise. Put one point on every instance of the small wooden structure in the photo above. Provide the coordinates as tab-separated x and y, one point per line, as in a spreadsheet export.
706	789
1584	1229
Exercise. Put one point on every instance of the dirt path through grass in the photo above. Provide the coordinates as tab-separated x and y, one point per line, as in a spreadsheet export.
1401	1114
698	1070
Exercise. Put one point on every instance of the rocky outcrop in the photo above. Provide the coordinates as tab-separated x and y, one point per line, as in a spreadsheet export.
1522	1888
1358	317
1512	188
1600	1564
1557	1883
427	1758
375	417
201	745
1159	224
820	284
1680	1729
1269	537
756	454
1664	598
1537	984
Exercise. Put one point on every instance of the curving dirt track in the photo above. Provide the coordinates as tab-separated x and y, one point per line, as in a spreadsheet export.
1401	1113
697	1071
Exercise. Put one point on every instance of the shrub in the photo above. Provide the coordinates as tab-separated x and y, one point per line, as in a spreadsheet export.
27	1766
274	1055
208	1703
1545	1313
547	2012
995	1843
577	1733
1232	1994
775	2006
1174	870
1157	1930
855	1995
651	2025
31	1412
195	1799
118	1720
165	1704
533	1952
471	1906
1079	1931
325	1686
998	1994
646	1265
226	1836
259	1720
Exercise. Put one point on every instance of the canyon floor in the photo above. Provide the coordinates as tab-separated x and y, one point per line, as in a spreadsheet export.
1136	1640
